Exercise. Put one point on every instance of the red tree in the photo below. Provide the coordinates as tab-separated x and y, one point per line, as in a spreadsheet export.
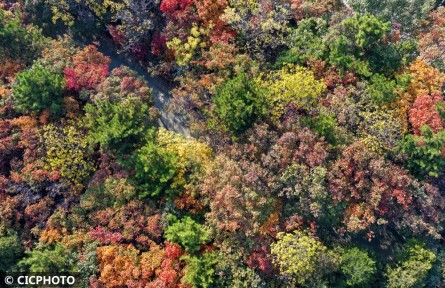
158	44
90	68
171	7
369	187
424	112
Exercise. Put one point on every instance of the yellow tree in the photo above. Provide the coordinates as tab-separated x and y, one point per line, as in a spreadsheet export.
67	151
303	258
291	86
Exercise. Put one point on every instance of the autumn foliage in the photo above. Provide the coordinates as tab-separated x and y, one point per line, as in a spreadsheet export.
89	68
228	143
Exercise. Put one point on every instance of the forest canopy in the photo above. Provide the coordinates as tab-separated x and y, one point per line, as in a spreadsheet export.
241	143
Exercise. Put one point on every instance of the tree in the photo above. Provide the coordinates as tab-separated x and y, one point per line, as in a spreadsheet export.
200	271
425	152
192	157
302	257
89	68
305	42
234	272
67	151
426	111
172	7
409	14
369	187
186	50
48	259
17	41
358	268
155	169
291	86
67	11
325	125
118	126
10	252
111	193
138	21
238	197
113	215
239	102
357	114
9	147
298	159
120	115
359	44
210	11
118	265
314	8
171	269
37	89
181	14
432	39
381	89
412	269
260	40
306	195
193	29
379	129
424	80
186	232
123	84
59	54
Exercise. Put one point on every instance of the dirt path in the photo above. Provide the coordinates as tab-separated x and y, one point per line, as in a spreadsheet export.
161	92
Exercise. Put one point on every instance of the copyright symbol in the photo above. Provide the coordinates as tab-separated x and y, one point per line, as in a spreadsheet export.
9	280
